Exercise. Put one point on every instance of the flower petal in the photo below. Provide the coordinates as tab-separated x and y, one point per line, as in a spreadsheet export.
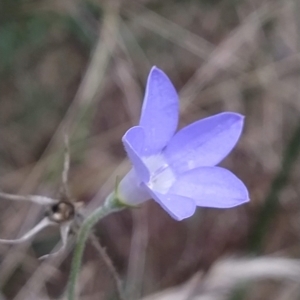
133	141
211	187
204	143
37	228
159	112
178	207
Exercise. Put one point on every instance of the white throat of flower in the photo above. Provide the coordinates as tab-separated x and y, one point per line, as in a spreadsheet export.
162	177
131	190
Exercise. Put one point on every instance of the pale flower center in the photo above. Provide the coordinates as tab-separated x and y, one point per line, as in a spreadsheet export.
162	176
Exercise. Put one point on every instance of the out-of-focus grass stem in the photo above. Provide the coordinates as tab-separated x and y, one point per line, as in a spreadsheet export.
272	200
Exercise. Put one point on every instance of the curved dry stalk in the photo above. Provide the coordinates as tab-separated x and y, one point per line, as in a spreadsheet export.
36	229
30	198
64	233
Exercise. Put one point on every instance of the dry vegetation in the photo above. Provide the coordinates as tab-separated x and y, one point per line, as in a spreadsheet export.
81	66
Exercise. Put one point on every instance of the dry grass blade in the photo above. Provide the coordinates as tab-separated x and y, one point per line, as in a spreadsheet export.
171	31
228	273
89	88
110	266
132	49
268	76
65	172
46	269
138	252
29	198
225	275
225	55
44	223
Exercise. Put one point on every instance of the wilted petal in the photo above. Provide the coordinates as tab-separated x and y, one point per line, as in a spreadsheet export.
134	140
179	207
41	225
64	233
211	187
204	143
159	112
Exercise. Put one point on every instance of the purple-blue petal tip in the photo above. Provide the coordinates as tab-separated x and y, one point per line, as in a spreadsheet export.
159	117
211	187
205	142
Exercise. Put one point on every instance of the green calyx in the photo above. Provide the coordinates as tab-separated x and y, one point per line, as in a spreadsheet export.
114	199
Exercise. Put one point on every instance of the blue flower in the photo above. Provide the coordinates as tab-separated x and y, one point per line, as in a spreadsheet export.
178	170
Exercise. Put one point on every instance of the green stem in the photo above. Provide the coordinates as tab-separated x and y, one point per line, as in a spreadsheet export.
268	211
111	205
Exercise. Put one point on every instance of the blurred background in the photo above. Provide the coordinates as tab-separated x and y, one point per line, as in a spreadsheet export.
82	66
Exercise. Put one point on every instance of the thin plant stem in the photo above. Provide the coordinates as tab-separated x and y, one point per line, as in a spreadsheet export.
268	211
109	207
30	198
65	173
109	264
